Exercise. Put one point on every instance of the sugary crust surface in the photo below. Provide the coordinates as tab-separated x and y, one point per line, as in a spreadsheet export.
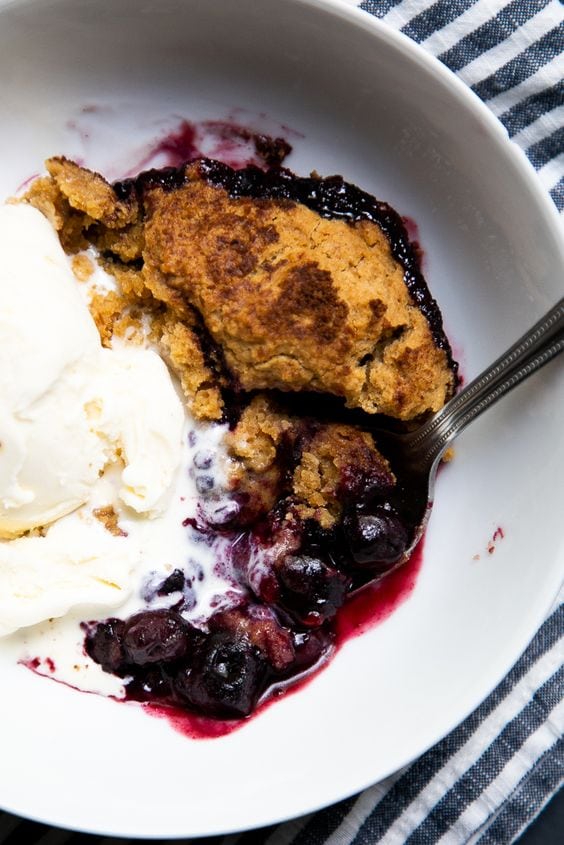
296	301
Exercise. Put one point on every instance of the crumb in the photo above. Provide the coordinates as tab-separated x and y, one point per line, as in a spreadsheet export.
106	309
258	434
109	519
38	531
82	267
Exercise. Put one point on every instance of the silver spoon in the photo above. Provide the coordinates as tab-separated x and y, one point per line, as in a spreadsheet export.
420	451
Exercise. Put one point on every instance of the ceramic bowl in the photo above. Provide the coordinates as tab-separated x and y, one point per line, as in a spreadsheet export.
96	80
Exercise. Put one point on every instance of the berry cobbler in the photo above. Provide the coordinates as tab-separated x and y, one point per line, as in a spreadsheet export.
290	312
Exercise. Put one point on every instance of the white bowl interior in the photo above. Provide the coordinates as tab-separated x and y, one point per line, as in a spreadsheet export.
370	106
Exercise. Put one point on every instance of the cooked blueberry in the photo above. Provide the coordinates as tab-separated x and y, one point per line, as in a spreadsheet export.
314	538
310	586
310	646
377	539
225	677
147	684
104	644
174	583
363	484
155	635
203	459
221	514
204	483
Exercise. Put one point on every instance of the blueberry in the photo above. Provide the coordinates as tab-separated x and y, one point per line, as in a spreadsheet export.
310	647
310	586
222	514
203	459
225	677
377	540
154	636
204	483
174	583
147	684
104	644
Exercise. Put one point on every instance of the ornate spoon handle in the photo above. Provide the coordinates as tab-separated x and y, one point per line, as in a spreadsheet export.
532	351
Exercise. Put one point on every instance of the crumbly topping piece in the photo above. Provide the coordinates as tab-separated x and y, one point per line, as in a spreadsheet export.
338	461
319	466
258	434
106	309
82	267
45	195
109	519
89	193
124	244
181	347
256	471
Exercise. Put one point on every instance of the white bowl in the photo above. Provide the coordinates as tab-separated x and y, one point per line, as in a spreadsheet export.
371	106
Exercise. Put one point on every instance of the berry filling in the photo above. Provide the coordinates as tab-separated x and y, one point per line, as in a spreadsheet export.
292	576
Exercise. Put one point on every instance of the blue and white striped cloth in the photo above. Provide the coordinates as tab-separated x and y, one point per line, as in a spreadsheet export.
487	780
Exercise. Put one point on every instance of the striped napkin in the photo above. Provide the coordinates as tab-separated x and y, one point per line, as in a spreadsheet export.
487	780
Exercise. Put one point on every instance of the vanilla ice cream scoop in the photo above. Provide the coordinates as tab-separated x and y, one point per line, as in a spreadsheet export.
68	407
77	564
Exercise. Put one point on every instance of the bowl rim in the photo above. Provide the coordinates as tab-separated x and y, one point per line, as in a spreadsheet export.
413	50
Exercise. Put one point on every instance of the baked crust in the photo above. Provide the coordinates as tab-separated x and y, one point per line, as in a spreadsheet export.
295	301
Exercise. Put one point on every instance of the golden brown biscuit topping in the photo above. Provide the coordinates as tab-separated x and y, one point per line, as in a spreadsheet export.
291	299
